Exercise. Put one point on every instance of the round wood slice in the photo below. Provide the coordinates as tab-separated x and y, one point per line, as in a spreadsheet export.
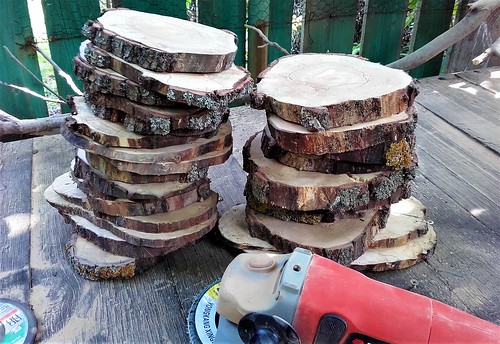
297	139
370	159
325	91
136	192
342	241
171	221
110	82
273	183
234	229
172	200
154	120
407	221
107	170
109	242
111	134
397	257
168	242
161	43
310	217
207	91
190	167
93	263
130	149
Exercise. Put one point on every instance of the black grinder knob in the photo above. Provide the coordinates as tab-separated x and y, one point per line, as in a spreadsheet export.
262	328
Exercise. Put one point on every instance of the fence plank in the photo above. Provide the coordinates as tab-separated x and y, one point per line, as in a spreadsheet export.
329	26
172	8
280	27
64	21
432	19
229	15
258	16
16	34
383	25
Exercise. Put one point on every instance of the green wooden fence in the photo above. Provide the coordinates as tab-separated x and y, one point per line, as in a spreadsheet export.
325	26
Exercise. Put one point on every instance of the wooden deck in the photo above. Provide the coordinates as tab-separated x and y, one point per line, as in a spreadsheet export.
458	181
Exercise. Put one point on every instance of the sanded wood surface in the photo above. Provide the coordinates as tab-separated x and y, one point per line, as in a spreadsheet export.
167	44
457	177
324	91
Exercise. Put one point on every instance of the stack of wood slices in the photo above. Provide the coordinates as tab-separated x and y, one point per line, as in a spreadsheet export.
331	171
152	120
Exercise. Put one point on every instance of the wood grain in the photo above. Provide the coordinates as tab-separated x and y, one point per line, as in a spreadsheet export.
325	91
15	217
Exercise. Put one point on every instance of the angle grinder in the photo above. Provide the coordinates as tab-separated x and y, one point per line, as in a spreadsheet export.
305	298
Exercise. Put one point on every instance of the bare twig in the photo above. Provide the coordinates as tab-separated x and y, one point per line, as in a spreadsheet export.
32	93
12	128
478	12
494	49
33	75
59	71
265	39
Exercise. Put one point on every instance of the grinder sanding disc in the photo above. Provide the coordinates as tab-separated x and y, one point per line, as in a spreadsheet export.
17	323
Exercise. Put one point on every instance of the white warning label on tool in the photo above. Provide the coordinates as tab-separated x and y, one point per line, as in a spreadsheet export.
205	315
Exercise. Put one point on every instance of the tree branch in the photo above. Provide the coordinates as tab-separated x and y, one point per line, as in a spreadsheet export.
33	75
59	71
12	128
32	93
478	12
265	39
494	49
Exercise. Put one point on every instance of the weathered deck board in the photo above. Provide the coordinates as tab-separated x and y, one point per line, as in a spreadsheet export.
458	182
463	105
463	169
489	79
15	214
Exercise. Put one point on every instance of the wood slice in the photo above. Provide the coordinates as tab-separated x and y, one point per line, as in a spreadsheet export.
93	263
167	242
155	120
110	134
325	91
407	221
137	154
279	185
310	217
297	139
161	43
108	171
136	192
171	221
342	241
207	91
397	257
190	167
109	242
108	81
370	159
233	228
98	202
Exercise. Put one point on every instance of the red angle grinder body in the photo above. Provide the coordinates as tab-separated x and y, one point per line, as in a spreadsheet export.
329	303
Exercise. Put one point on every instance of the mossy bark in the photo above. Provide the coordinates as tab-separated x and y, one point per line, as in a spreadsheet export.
296	139
342	241
367	160
202	92
97	264
159	60
149	120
